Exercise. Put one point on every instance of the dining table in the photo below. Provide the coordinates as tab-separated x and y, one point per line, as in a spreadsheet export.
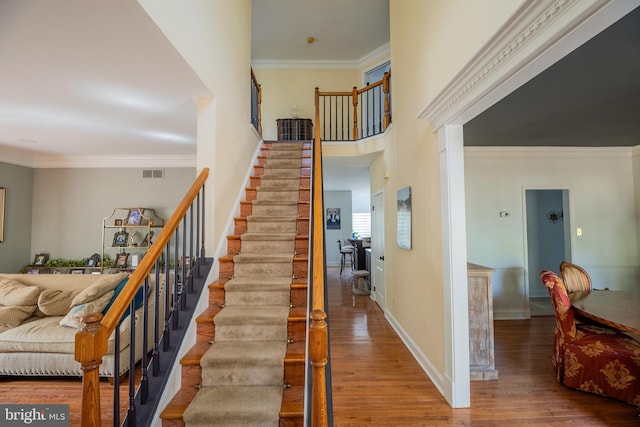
617	309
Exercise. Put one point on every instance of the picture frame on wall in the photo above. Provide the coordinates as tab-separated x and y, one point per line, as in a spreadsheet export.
2	195
404	218
333	218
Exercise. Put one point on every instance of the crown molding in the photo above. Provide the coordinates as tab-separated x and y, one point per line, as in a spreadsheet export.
129	161
537	35
381	51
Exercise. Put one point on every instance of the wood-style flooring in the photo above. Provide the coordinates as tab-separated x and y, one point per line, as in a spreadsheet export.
377	382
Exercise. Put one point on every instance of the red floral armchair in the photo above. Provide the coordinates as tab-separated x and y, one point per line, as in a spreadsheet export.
589	356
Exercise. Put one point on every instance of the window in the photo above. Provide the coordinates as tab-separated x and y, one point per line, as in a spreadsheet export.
361	223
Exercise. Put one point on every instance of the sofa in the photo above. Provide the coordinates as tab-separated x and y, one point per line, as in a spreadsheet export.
40	315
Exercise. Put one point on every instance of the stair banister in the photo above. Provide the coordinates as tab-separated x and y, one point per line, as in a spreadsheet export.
91	340
318	332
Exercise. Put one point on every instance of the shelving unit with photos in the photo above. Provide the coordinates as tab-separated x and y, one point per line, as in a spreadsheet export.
127	233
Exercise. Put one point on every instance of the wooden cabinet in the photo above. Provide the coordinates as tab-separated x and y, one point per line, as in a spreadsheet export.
295	129
481	341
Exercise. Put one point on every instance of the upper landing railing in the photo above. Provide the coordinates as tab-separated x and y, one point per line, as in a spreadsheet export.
358	114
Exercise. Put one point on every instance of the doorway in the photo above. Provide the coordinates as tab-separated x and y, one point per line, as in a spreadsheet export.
377	250
548	242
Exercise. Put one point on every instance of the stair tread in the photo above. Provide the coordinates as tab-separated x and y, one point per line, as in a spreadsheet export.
251	315
263	257
253	236
243	403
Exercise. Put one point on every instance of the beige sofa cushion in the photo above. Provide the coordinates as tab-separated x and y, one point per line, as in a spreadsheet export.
73	319
13	292
56	302
106	283
45	335
10	317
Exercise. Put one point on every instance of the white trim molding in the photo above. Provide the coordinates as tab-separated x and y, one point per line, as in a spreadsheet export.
537	35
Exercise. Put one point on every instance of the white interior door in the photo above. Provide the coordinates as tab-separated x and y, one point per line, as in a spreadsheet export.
377	250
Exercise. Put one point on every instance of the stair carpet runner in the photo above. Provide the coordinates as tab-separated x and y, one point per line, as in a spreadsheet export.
243	371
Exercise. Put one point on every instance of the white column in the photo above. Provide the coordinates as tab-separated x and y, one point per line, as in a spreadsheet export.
454	248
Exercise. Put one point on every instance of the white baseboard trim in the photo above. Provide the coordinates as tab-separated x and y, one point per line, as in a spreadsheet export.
436	377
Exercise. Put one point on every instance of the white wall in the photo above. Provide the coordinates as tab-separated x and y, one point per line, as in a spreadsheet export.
602	203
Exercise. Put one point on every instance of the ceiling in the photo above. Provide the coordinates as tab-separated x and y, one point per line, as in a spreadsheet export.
80	78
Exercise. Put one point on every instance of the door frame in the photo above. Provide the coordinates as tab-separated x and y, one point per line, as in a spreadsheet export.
374	255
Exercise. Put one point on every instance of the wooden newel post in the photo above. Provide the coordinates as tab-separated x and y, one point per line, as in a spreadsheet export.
318	356
385	90
90	346
354	101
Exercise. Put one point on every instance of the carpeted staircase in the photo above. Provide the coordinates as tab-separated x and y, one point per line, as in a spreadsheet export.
254	349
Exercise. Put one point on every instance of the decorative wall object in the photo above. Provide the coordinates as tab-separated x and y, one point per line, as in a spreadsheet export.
2	193
333	218
404	218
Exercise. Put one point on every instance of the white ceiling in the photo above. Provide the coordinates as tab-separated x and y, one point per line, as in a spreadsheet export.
96	79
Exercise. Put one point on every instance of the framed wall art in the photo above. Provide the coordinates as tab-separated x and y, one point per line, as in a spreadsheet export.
2	193
404	218
333	218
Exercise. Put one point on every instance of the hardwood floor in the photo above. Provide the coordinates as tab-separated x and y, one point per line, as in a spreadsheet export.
377	382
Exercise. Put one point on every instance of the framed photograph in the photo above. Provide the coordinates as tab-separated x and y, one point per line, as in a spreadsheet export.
117	222
135	216
120	238
121	260
404	218
2	193
33	271
41	259
77	271
333	218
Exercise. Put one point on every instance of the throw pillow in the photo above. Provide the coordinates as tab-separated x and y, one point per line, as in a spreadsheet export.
13	292
106	283
11	317
56	302
137	299
73	319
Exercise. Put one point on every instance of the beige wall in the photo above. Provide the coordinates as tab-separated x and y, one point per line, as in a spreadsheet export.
69	204
282	88
430	42
214	37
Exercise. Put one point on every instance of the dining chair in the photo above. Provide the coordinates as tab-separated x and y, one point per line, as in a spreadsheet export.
575	278
590	357
344	251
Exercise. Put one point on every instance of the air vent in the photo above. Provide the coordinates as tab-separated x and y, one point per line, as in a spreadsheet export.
153	173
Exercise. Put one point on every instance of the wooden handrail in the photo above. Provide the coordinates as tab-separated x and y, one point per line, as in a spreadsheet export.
354	94
318	332
92	340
